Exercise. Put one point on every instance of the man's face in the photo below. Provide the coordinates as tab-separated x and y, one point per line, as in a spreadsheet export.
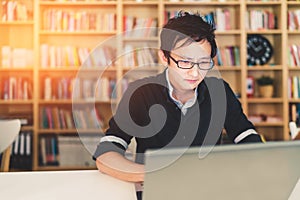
189	79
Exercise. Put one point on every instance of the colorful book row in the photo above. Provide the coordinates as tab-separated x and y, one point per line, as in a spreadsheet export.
260	20
84	20
228	56
15	11
53	56
89	88
16	57
67	151
15	88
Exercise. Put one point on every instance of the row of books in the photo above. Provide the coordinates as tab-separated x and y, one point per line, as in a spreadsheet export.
139	27
60	118
49	152
17	88
223	18
228	56
14	11
294	55
220	18
102	89
71	56
21	154
260	20
16	57
133	57
294	113
55	118
88	119
67	151
294	19
294	87
58	88
81	20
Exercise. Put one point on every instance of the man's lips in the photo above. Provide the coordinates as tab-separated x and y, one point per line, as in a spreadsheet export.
191	80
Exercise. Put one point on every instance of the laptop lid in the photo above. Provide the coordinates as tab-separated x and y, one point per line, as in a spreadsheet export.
230	172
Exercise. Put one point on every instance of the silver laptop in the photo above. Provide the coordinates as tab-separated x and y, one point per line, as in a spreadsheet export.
232	172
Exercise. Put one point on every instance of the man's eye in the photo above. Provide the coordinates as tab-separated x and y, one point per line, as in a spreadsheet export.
185	62
204	63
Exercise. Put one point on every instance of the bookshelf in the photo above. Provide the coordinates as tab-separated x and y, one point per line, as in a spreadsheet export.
58	35
17	73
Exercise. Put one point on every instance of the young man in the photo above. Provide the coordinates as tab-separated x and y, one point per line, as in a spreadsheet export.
180	107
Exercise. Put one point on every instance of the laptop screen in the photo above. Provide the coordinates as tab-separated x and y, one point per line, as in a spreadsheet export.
229	172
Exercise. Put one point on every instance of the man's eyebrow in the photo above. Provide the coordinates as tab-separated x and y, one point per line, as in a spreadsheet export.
189	58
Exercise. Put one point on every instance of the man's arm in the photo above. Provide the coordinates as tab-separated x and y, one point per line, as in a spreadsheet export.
116	165
237	125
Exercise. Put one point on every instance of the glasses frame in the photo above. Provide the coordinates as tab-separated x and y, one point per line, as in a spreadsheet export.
212	64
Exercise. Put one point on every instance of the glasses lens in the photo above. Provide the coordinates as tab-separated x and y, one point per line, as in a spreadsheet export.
205	65
185	64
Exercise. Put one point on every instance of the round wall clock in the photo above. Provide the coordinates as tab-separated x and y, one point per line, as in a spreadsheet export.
259	50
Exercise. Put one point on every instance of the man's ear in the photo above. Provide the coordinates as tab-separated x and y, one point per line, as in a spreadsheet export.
162	58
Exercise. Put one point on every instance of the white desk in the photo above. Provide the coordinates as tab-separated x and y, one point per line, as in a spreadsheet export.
64	185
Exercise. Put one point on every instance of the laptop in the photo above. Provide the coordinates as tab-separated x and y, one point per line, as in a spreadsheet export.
230	172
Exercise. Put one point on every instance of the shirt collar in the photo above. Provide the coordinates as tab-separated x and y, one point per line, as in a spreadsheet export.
202	87
171	89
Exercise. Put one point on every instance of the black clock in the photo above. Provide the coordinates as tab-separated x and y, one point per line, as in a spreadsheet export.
259	50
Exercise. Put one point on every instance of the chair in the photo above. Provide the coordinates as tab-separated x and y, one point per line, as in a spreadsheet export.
9	130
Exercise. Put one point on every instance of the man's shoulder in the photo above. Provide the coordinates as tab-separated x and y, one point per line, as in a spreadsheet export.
149	81
211	80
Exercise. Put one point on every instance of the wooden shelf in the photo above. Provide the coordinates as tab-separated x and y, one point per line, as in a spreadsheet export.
55	168
69	131
80	69
296	68
228	32
295	32
70	33
16	23
263	3
293	3
70	101
294	100
142	3
77	3
27	128
227	68
135	68
265	100
265	68
270	32
139	39
14	101
21	69
204	3
269	124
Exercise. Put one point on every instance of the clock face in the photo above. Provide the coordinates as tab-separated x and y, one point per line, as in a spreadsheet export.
259	50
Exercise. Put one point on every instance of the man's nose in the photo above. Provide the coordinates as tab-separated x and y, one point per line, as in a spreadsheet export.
194	71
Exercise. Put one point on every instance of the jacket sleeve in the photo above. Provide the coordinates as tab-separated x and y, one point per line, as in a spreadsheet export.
238	127
123	126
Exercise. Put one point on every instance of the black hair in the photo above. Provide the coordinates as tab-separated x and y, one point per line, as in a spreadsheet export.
186	26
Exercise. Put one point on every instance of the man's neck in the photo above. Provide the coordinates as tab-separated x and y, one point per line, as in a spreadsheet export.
183	96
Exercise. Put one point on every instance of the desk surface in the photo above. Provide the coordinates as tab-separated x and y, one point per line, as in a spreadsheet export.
63	185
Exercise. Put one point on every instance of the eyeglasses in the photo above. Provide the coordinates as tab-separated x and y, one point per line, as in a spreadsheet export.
185	64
